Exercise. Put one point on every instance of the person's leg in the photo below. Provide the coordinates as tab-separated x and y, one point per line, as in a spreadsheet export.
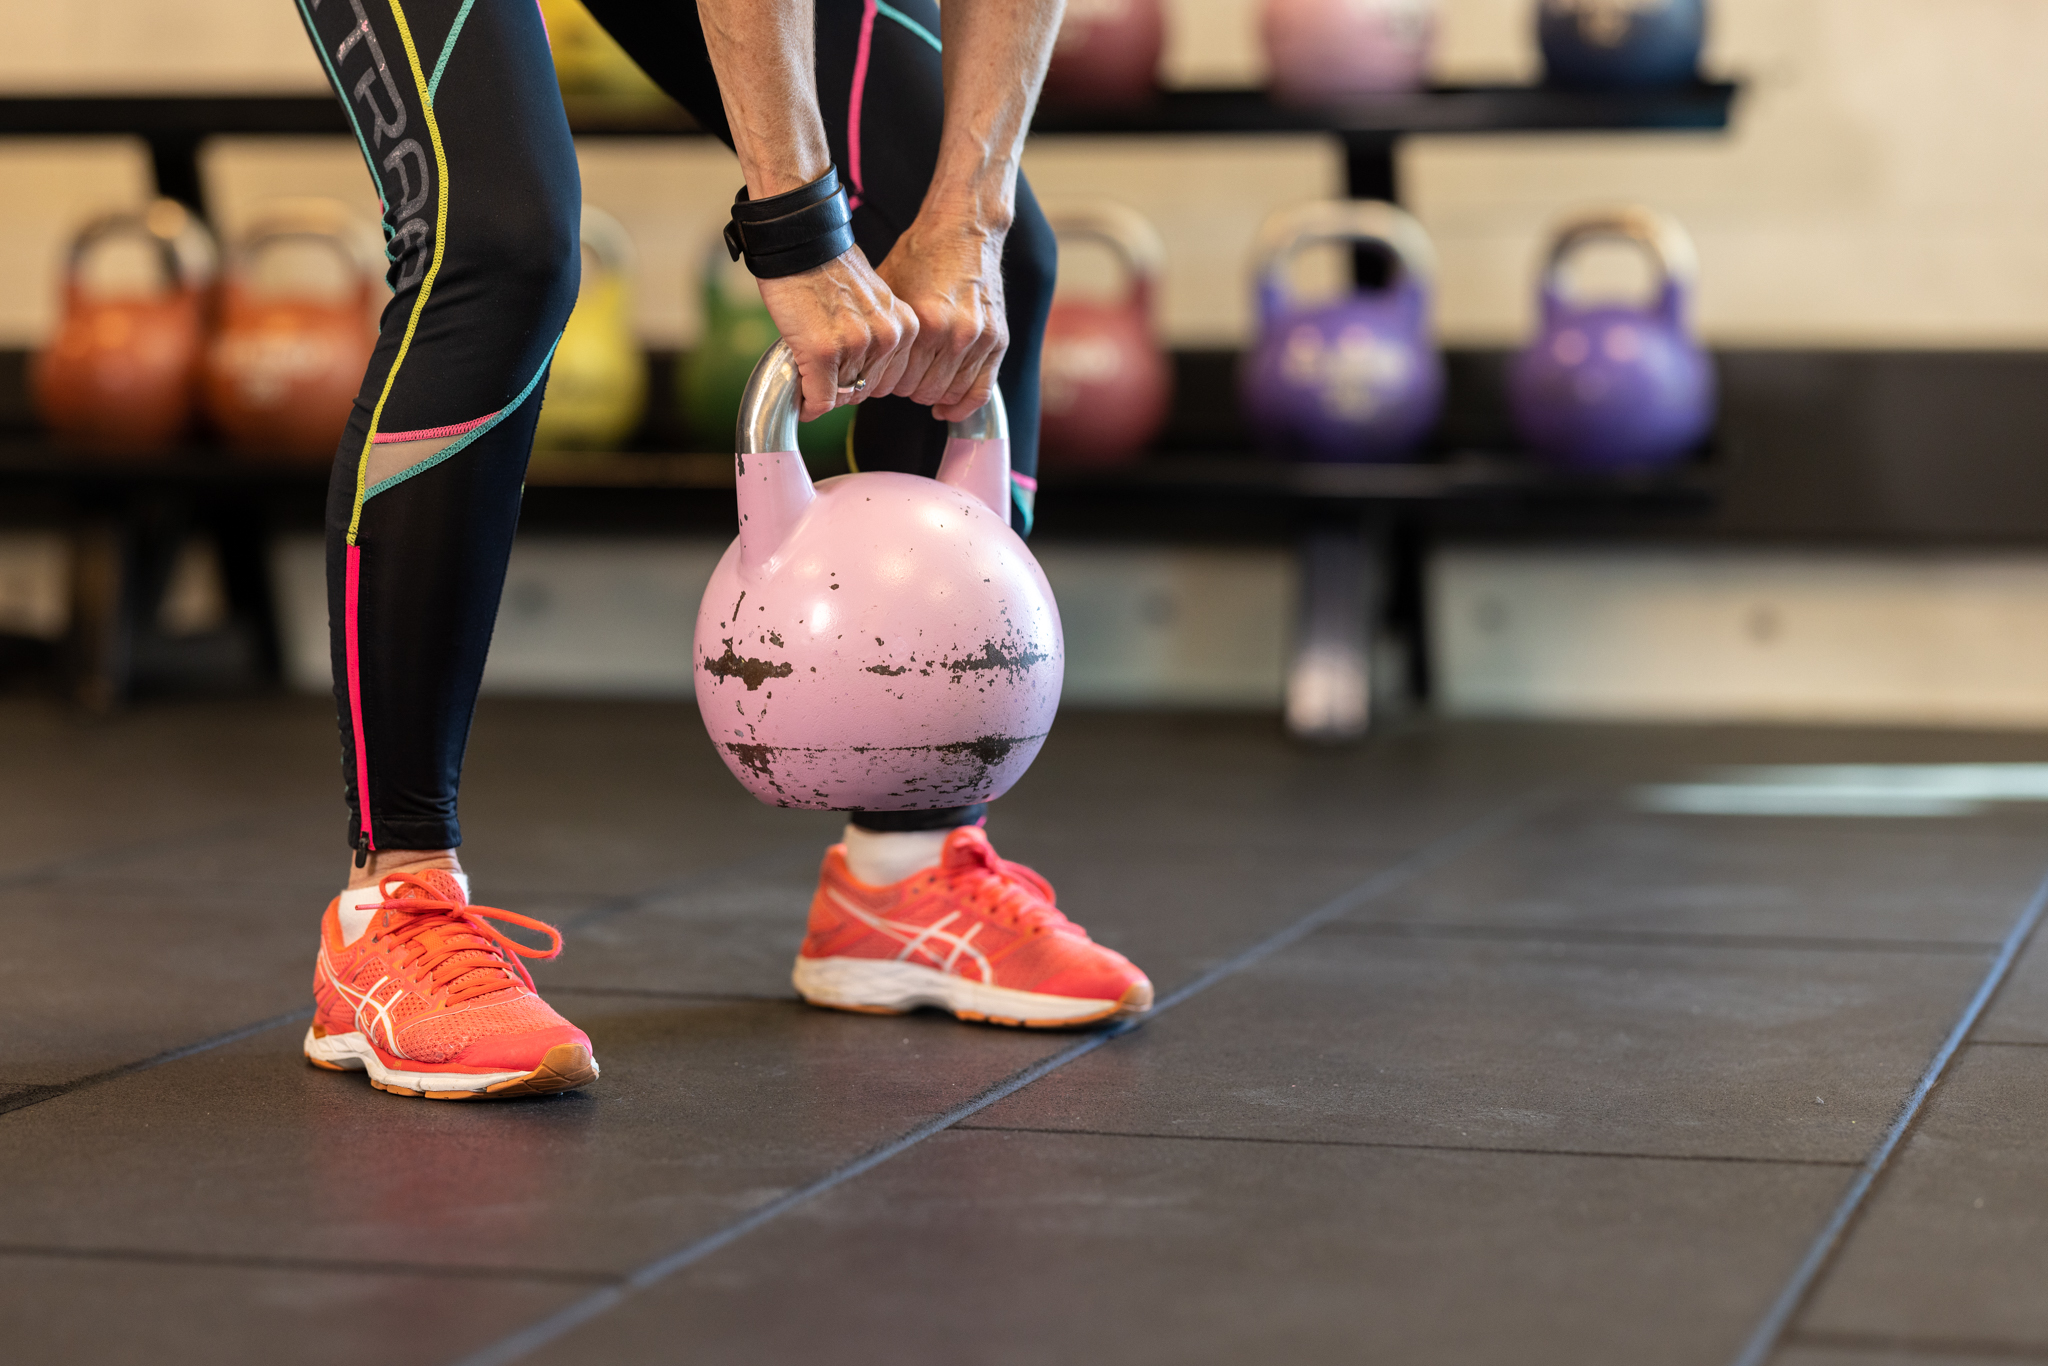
914	907
460	121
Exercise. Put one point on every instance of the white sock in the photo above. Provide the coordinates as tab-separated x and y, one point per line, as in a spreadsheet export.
880	857
357	907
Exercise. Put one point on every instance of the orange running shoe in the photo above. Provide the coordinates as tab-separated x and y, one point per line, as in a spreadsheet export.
432	1000
976	935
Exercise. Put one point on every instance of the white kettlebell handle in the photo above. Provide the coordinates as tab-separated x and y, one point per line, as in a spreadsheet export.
1659	235
183	245
768	408
1125	231
1341	220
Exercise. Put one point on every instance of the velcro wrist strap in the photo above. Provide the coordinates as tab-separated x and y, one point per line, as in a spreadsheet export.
788	234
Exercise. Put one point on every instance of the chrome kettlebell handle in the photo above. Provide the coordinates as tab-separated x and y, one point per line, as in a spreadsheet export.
1342	220
183	245
326	221
769	404
1660	236
1123	230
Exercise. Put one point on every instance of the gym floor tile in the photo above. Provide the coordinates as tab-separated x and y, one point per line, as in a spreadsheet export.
129	1312
732	931
1882	1354
78	791
1950	1248
100	972
1031	1248
706	1110
2019	1013
1592	864
1357	1037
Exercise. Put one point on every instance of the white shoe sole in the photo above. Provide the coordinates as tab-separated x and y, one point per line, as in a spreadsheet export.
565	1067
888	987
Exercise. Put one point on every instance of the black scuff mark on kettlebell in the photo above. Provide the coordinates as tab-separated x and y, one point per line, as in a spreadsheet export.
1012	661
752	672
736	609
982	754
758	759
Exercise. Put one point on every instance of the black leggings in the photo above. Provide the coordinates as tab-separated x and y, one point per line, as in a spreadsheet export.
456	108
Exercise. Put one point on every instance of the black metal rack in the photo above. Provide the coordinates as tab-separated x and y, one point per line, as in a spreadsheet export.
1358	527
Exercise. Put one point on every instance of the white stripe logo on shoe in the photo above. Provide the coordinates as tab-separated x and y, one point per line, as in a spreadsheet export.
915	940
367	1000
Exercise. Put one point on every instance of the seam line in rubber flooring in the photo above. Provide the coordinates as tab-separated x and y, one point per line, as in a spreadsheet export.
1791	1301
1422	860
1406	1147
324	1265
36	1094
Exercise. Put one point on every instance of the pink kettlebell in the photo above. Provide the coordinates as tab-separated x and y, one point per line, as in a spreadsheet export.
878	641
1329	51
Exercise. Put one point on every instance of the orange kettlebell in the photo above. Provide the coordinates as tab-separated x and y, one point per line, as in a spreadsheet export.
1104	383
118	377
283	370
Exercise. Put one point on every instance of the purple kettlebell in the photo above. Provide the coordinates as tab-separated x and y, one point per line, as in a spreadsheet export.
1615	386
1358	379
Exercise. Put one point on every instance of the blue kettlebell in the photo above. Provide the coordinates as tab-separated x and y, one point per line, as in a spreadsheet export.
1357	379
1620	44
1615	386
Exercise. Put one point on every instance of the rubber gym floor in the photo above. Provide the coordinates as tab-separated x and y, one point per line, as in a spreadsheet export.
1462	1056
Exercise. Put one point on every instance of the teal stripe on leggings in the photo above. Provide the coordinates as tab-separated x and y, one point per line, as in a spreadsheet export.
341	92
448	47
919	29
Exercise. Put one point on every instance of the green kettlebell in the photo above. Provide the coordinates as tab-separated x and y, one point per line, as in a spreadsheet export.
710	379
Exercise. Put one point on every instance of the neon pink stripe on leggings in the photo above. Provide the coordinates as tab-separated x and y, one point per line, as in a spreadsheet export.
860	85
355	692
429	433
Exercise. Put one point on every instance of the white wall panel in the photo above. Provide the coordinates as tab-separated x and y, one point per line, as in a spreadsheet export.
1711	635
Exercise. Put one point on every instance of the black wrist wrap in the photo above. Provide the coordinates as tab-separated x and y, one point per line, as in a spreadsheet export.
791	233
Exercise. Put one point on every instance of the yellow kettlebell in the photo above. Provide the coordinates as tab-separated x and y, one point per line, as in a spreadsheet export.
597	388
592	69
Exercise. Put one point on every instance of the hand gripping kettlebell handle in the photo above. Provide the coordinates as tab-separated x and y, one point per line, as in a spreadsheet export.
769	405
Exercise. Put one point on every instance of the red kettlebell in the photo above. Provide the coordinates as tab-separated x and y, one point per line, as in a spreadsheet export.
118	378
1104	382
1107	54
283	370
1324	51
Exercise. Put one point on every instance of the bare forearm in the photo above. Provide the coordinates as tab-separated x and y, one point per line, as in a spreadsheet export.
996	52
764	52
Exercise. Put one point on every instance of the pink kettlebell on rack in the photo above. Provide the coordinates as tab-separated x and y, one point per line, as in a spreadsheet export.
878	641
1330	51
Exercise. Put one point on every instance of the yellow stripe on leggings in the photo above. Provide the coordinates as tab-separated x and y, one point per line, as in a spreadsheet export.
419	79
